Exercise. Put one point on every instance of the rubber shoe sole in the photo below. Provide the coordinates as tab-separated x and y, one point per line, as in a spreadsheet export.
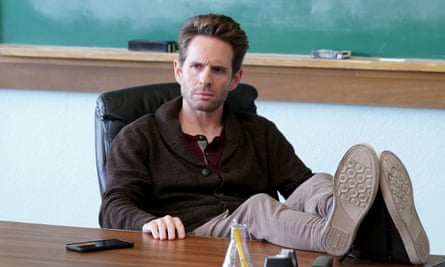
356	183
398	196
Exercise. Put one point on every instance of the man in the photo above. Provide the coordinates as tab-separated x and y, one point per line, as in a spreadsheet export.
194	166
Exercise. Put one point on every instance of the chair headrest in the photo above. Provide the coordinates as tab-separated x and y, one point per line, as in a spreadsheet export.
130	103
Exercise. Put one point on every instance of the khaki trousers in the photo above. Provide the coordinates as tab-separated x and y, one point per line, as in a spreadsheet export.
296	223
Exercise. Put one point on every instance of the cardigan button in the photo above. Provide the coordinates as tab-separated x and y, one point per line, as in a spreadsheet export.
205	172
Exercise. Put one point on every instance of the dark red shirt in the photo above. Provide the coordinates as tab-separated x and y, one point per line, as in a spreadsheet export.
212	152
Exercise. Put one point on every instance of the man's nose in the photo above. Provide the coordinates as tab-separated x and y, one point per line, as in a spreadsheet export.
205	77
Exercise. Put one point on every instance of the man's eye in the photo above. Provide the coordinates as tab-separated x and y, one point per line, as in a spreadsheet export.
197	66
218	70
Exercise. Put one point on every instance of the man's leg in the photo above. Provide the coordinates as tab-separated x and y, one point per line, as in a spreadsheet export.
314	196
302	215
398	195
303	225
270	220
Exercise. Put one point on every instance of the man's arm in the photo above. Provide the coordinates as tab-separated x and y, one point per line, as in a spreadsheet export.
288	170
128	182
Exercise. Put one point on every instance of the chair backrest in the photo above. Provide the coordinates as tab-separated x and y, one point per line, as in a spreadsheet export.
115	109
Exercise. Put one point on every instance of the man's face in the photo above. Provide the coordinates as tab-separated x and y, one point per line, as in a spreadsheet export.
206	76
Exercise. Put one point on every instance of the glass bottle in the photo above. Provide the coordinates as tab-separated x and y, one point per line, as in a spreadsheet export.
237	254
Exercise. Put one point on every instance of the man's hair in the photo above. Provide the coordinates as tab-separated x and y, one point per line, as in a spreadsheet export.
221	27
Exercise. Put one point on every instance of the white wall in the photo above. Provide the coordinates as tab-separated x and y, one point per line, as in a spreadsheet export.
47	164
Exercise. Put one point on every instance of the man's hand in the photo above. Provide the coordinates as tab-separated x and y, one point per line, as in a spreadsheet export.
164	228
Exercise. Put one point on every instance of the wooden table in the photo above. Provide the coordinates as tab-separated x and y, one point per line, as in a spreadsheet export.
24	244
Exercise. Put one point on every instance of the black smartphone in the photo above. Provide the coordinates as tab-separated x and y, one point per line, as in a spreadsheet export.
96	245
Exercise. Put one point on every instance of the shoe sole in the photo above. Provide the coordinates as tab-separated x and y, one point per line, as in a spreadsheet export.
355	188
398	195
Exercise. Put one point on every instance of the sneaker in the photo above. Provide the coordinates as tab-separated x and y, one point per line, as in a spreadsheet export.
355	187
397	193
377	239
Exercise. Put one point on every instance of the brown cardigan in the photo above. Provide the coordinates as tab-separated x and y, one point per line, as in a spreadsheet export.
151	171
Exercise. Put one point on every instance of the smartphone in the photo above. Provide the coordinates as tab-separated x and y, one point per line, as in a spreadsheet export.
96	245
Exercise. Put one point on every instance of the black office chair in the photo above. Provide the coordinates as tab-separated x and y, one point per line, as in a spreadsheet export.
115	109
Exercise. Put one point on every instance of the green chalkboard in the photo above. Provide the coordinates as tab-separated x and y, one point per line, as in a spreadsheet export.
375	28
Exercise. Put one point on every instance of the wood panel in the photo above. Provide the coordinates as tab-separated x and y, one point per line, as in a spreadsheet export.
347	86
277	77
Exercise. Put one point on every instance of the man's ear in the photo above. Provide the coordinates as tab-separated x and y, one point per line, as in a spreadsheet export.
236	79
178	71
